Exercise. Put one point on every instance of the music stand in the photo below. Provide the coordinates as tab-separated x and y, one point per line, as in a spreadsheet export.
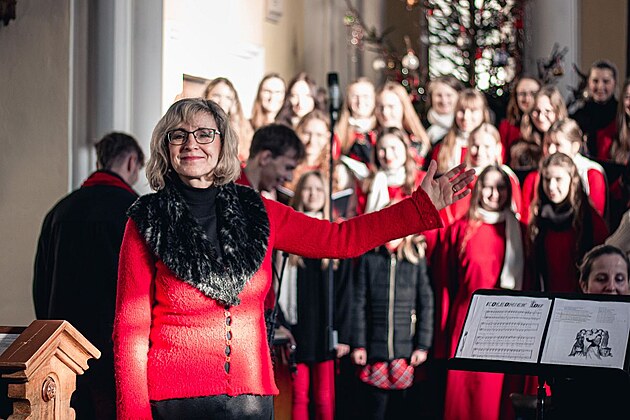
548	335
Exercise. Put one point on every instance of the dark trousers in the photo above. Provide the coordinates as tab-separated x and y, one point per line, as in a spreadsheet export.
382	404
216	407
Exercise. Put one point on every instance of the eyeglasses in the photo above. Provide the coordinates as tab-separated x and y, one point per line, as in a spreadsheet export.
202	135
526	93
547	113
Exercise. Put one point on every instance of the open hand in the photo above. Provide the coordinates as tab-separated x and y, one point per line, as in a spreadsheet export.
448	188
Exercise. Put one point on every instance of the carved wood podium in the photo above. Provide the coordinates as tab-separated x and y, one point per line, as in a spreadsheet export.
38	370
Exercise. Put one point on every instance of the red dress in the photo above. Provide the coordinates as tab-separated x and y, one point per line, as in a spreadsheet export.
604	142
561	258
509	134
470	395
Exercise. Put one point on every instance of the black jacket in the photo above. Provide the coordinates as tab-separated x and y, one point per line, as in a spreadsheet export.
391	320
312	309
76	265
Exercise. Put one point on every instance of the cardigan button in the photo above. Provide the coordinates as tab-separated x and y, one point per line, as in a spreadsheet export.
228	335
228	320
227	367
228	350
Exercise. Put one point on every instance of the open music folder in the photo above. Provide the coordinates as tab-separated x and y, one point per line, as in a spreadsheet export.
548	334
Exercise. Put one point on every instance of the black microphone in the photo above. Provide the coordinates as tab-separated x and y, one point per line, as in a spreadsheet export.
334	96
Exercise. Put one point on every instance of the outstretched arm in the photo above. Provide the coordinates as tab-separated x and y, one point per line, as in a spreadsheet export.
300	234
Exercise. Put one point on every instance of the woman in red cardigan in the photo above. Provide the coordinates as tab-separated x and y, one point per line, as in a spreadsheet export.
195	267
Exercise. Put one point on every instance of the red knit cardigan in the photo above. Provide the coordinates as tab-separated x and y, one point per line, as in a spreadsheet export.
170	338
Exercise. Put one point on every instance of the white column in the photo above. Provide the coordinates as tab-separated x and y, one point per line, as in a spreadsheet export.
548	22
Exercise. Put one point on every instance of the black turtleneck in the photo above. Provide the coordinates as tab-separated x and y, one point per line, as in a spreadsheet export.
202	205
594	116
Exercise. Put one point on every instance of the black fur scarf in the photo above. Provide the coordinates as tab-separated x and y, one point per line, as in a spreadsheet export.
165	222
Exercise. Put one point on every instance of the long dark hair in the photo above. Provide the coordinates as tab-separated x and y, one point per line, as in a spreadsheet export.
410	164
514	113
473	217
581	219
286	114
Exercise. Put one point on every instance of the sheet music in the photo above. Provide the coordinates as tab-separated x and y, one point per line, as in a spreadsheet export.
508	328
588	333
6	340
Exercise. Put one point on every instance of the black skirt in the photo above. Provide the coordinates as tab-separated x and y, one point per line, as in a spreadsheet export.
224	407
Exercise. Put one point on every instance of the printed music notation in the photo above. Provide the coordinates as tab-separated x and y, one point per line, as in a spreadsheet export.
506	328
576	332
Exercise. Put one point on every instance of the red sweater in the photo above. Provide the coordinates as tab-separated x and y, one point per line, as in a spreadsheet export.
170	338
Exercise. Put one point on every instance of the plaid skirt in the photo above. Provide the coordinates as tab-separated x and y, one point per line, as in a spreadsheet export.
395	374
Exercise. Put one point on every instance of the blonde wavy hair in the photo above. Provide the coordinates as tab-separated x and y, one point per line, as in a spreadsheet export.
468	98
411	122
228	167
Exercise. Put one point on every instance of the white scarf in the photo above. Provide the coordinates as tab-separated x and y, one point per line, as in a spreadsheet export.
440	124
511	276
289	289
584	165
378	197
461	142
361	125
288	293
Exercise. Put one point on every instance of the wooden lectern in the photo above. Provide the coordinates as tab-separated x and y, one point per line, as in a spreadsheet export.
39	369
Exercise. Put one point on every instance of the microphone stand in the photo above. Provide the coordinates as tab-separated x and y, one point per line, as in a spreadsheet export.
334	106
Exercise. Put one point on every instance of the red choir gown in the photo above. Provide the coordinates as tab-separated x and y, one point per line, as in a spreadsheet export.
561	258
596	189
470	395
509	134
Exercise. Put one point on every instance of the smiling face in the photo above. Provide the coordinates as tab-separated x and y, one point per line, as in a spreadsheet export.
469	117
314	134
608	276
301	98
272	94
494	191
443	98
223	96
391	152
194	163
556	182
277	170
543	114
361	100
483	149
525	92
313	194
389	110
558	142
601	84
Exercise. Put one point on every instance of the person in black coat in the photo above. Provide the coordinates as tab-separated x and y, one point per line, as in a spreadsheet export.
600	109
76	264
305	300
392	325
